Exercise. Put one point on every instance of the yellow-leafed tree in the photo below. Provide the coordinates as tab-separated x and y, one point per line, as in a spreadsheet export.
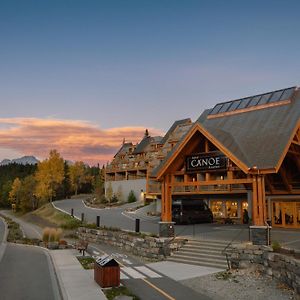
15	192
77	175
49	175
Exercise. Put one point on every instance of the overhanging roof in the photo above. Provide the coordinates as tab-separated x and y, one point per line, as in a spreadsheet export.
257	137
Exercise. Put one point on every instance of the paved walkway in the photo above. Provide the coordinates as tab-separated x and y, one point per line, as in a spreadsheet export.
75	282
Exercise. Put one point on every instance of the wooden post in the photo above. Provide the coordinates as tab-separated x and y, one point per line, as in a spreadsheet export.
206	146
259	200
254	201
166	200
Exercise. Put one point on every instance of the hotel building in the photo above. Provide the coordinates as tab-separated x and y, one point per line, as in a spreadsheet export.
240	154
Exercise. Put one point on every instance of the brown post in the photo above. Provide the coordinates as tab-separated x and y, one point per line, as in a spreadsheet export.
259	200
254	201
166	200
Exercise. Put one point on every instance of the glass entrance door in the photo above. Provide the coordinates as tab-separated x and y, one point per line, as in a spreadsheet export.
286	214
277	214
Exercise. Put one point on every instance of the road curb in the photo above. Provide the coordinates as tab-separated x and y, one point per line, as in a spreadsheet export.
3	243
63	211
62	292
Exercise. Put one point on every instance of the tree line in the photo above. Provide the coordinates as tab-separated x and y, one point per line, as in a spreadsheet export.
28	187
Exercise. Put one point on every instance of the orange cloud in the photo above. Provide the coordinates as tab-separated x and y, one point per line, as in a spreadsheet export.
73	139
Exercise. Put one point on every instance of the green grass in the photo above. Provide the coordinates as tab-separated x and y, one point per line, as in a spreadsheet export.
14	230
86	261
52	215
15	233
117	291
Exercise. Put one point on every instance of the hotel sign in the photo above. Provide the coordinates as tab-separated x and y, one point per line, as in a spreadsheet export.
204	162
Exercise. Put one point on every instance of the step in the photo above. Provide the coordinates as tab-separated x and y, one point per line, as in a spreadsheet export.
206	243
202	251
199	255
203	247
199	263
202	258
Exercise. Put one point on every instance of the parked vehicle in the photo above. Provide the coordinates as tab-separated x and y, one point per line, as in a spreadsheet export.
191	211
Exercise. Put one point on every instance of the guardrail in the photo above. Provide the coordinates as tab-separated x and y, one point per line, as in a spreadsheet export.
231	242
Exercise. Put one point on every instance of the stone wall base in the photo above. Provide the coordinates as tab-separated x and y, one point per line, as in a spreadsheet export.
166	229
260	235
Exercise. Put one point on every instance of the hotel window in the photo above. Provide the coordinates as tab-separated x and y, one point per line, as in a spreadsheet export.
231	209
217	209
244	205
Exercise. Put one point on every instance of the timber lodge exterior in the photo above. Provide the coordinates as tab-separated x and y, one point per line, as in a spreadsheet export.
240	154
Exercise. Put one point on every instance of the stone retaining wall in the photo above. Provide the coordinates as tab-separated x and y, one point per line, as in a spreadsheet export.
284	267
140	245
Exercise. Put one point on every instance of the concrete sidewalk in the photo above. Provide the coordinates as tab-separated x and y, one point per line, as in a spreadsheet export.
75	282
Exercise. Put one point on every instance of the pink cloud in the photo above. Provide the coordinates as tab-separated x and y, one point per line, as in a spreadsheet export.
73	139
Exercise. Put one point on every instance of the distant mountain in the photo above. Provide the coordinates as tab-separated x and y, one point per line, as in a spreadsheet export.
25	160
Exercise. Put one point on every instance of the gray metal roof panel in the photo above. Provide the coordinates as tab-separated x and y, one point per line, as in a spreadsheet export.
260	136
173	127
257	138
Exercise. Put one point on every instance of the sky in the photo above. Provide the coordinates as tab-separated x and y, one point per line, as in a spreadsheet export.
81	75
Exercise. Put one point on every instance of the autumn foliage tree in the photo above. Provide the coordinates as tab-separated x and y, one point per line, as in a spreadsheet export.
49	176
15	192
78	176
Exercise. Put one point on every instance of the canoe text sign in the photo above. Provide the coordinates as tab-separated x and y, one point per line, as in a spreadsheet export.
206	162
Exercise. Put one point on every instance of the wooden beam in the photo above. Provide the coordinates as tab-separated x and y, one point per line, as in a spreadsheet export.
258	200
198	128
284	178
166	200
296	143
254	202
189	148
222	192
284	153
214	182
269	184
294	152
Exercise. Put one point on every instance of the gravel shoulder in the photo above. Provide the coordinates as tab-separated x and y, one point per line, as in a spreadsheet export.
240	285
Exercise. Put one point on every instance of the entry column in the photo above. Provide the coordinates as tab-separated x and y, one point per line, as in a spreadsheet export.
166	226
260	231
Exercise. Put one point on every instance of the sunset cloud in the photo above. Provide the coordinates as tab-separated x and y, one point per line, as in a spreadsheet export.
73	139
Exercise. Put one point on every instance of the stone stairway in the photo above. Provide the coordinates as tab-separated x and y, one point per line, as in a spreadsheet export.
206	253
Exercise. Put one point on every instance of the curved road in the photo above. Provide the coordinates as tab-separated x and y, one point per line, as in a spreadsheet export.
26	272
118	217
112	217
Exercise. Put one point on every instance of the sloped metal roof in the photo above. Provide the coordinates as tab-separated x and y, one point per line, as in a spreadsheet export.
124	149
258	137
173	127
147	140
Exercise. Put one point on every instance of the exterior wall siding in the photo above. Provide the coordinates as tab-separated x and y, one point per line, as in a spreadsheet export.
126	186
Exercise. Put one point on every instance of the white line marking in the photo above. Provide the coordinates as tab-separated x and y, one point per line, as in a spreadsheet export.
89	207
127	261
66	212
133	273
291	242
148	272
129	217
123	276
96	252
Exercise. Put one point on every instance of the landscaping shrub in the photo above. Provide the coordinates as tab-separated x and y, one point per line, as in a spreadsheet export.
46	234
52	235
114	199
131	197
71	224
276	246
